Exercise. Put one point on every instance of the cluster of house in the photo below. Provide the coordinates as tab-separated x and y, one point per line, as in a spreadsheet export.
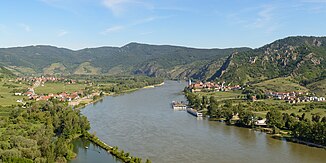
294	97
30	93
41	80
210	86
72	98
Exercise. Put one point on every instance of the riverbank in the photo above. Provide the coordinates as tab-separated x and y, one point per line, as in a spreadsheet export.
294	140
114	150
120	154
282	135
92	101
144	129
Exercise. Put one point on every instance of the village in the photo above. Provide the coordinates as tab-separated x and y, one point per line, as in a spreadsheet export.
295	97
74	98
289	97
210	87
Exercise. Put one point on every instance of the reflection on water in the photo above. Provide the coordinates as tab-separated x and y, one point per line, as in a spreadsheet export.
91	153
144	124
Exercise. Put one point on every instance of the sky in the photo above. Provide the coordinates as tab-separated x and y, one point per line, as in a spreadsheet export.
78	24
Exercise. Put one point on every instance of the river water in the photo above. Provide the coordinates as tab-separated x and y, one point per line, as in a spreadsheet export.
144	124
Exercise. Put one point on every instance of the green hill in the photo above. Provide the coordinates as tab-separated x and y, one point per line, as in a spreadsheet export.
5	73
319	87
283	84
134	58
302	58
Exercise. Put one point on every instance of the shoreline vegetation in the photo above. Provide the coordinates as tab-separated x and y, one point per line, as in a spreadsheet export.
301	123
42	131
125	157
282	135
117	94
121	155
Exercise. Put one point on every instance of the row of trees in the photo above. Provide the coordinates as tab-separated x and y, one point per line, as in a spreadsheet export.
125	157
122	84
300	126
225	110
40	133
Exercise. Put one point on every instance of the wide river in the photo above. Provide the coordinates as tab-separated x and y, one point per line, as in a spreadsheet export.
144	124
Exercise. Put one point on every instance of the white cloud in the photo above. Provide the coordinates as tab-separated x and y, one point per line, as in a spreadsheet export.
71	6
265	16
262	18
62	33
116	6
113	29
314	1
119	7
26	27
145	20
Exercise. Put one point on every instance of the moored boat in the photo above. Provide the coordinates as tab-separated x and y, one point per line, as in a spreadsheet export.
194	112
179	105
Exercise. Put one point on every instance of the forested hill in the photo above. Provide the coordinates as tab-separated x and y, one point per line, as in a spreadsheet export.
5	72
134	58
301	58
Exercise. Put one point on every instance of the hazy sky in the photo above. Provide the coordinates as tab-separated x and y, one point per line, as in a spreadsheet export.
79	24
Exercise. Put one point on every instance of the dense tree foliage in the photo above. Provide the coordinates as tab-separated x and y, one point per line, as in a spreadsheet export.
300	126
300	57
313	131
40	133
134	58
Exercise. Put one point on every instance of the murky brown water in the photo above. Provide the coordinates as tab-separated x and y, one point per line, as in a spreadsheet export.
144	124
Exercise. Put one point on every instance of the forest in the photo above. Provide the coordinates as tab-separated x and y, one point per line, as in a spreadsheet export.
42	132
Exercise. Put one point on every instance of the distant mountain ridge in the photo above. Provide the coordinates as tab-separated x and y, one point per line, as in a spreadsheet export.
134	58
300	57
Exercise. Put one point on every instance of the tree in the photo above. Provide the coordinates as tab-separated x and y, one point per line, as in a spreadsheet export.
323	120
275	118
227	114
315	118
246	118
288	121
302	117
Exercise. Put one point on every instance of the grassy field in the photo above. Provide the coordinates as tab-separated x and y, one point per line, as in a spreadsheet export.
54	68
286	84
7	96
4	111
296	109
222	95
318	87
321	112
87	68
58	88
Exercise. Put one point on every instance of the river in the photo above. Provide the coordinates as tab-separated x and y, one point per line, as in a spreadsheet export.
144	124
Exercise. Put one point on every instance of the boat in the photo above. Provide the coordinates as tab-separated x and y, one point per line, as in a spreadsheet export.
194	112
86	147
176	105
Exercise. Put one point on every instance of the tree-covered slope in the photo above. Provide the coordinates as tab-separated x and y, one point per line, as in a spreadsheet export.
134	58
4	72
303	58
